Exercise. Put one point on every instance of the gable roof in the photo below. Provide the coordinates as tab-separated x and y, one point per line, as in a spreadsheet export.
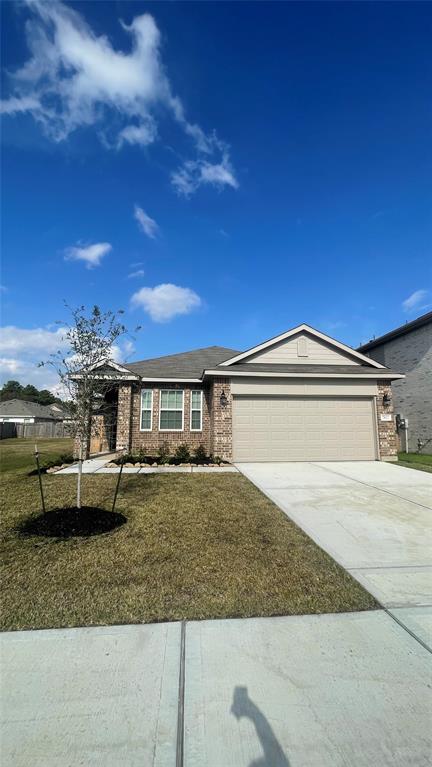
185	366
298	329
25	408
425	319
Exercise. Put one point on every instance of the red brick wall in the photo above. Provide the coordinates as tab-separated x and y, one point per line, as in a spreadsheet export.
151	441
221	419
387	436
123	437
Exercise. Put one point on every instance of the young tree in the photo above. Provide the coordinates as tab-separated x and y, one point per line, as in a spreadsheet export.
89	344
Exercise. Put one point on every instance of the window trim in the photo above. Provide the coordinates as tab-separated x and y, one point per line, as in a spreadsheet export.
195	409
150	408
172	409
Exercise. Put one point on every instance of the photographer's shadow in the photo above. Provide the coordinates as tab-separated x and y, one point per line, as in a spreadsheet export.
273	756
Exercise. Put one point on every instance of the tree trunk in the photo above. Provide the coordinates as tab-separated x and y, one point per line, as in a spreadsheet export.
80	463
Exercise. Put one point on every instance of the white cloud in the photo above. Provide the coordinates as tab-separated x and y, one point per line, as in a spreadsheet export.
166	301
121	352
143	134
195	173
138	273
15	105
28	372
91	254
13	339
416	301
23	349
9	365
76	78
146	224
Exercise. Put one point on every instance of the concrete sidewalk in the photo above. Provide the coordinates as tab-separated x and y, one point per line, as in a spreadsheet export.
302	691
99	466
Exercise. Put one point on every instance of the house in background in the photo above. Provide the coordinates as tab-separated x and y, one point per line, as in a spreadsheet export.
301	396
22	418
408	350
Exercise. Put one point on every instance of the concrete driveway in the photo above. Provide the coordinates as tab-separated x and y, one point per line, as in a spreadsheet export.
375	519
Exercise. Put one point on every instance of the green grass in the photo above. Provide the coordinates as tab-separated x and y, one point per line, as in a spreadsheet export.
17	455
420	461
203	546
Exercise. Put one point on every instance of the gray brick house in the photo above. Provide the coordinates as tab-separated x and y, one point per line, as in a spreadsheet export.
299	396
408	350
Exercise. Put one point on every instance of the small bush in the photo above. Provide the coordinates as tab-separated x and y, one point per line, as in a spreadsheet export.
200	454
126	458
163	453
182	454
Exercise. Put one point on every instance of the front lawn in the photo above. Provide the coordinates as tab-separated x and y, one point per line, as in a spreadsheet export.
421	461
193	546
17	454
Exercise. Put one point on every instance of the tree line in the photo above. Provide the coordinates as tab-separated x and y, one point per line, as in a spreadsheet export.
15	390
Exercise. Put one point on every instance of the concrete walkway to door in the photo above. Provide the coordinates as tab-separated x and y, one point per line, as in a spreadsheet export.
375	519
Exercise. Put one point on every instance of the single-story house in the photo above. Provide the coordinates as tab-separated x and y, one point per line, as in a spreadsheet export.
24	411
297	397
408	349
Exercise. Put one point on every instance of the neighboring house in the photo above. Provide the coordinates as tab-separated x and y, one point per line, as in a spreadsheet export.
22	411
300	396
408	350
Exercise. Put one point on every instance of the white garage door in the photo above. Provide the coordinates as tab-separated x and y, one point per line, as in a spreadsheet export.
303	429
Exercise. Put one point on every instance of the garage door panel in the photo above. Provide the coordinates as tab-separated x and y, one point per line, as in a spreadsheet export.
303	428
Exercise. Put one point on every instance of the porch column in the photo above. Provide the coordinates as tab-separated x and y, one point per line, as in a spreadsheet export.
124	417
221	419
387	436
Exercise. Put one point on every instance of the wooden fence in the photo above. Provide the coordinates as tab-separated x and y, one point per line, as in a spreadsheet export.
49	429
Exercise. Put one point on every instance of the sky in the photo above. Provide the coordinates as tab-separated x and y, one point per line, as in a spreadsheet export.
220	171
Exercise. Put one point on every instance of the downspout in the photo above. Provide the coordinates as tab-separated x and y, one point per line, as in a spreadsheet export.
377	432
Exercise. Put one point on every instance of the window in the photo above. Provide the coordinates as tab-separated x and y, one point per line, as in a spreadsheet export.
171	410
146	409
196	411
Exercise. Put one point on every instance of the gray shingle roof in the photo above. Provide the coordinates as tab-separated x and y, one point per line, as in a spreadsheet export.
23	408
425	319
184	365
250	367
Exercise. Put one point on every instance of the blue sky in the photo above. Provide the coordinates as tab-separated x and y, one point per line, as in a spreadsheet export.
221	171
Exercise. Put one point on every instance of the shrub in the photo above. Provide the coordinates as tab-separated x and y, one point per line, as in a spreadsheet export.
200	454
163	453
182	454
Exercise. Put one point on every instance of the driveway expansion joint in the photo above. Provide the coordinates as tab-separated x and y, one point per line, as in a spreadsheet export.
373	487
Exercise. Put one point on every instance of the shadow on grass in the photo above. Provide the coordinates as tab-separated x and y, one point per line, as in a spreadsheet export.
72	522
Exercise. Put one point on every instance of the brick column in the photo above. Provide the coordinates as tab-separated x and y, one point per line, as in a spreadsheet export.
221	419
124	417
387	436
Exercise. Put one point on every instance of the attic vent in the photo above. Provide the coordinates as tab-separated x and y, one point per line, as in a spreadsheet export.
302	350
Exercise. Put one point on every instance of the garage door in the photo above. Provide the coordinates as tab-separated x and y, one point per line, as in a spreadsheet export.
303	429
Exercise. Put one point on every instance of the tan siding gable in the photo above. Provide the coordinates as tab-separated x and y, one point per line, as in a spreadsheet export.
292	350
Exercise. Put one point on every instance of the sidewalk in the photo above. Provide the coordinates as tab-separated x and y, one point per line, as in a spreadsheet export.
98	466
301	691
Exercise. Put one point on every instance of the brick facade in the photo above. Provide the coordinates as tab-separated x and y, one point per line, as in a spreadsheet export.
387	437
411	354
216	434
221	419
124	417
151	441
